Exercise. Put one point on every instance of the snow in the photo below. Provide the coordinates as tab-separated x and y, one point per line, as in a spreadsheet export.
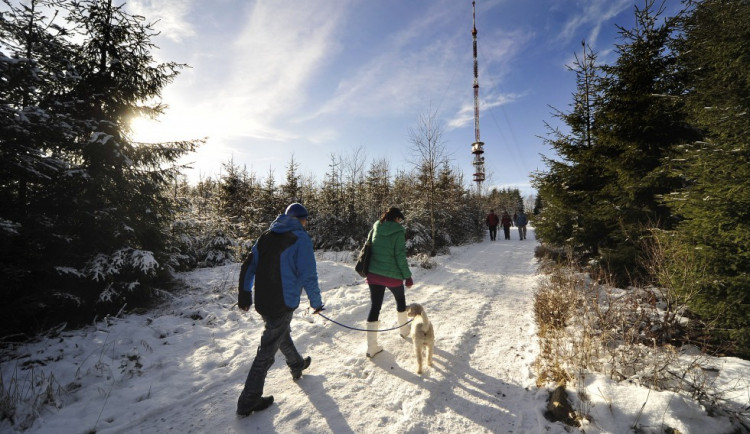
181	367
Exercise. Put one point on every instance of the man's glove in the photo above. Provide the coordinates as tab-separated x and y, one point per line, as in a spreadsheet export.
245	300
319	309
409	282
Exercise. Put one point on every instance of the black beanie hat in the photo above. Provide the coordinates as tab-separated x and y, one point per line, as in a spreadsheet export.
394	213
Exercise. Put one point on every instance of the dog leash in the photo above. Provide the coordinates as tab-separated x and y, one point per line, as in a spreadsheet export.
364	330
355	328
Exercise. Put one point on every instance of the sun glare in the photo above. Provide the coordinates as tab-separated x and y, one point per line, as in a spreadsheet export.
146	130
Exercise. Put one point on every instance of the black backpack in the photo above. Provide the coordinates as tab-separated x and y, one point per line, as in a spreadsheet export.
243	270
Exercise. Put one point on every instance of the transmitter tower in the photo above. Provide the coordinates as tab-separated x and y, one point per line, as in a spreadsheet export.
477	148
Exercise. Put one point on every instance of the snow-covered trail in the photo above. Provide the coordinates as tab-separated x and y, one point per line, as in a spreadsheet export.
181	368
479	299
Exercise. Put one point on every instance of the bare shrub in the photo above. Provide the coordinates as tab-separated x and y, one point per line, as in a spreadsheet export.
424	260
555	299
21	398
636	334
675	291
552	256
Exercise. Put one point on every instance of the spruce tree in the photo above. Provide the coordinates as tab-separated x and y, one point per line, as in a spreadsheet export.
103	200
234	192
290	190
378	188
357	204
640	122
570	187
605	193
270	204
714	206
35	73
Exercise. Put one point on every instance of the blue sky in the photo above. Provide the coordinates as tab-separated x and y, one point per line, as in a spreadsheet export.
272	79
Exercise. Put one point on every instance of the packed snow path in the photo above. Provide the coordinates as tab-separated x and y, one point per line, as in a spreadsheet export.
479	301
180	368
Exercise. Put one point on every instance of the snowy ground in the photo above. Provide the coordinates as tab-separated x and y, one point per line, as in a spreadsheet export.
180	368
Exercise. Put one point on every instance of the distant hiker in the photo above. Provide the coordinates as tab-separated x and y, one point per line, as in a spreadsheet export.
506	223
521	222
492	221
283	262
388	269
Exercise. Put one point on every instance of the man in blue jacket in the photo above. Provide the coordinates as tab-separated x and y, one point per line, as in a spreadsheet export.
283	262
521	222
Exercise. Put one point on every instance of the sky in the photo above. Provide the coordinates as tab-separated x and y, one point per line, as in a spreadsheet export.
269	81
181	366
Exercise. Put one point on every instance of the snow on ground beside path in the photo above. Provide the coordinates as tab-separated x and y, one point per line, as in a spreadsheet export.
181	367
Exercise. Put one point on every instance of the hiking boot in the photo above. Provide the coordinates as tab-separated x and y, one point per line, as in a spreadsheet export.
372	338
263	403
297	373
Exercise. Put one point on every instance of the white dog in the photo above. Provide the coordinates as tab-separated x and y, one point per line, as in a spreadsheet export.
422	334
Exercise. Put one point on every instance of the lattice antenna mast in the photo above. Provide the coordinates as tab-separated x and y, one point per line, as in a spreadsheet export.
478	145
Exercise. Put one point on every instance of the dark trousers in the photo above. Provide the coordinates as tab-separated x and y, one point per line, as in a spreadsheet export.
522	232
493	232
376	297
276	336
506	229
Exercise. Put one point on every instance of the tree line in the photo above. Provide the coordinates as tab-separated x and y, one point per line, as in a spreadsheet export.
222	216
650	185
94	224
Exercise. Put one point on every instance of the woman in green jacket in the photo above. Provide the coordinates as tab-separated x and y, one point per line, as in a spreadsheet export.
388	269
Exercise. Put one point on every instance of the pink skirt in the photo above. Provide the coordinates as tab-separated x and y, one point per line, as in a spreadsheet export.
377	279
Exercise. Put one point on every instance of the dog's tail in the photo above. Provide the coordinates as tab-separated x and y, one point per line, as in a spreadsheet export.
425	320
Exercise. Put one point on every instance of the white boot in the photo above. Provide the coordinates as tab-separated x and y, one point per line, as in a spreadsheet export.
372	338
405	328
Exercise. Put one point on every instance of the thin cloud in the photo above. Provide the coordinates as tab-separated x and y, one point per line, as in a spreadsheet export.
595	14
271	62
407	72
172	16
393	82
465	115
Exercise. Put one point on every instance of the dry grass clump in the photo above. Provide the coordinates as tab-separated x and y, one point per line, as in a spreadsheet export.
22	398
555	303
424	261
639	335
554	300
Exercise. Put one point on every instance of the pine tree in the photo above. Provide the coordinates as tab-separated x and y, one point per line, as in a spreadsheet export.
270	204
234	192
457	212
606	192
33	134
570	186
357	204
104	200
640	122
714	206
378	188
290	190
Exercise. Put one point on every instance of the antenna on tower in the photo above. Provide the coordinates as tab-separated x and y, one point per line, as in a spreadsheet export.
478	145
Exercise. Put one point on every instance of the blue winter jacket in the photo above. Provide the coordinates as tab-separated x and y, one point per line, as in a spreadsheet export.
283	263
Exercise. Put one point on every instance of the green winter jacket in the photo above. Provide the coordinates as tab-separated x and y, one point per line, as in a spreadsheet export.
389	250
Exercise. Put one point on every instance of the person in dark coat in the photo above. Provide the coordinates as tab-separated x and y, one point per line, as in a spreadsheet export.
506	223
282	264
492	221
521	222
